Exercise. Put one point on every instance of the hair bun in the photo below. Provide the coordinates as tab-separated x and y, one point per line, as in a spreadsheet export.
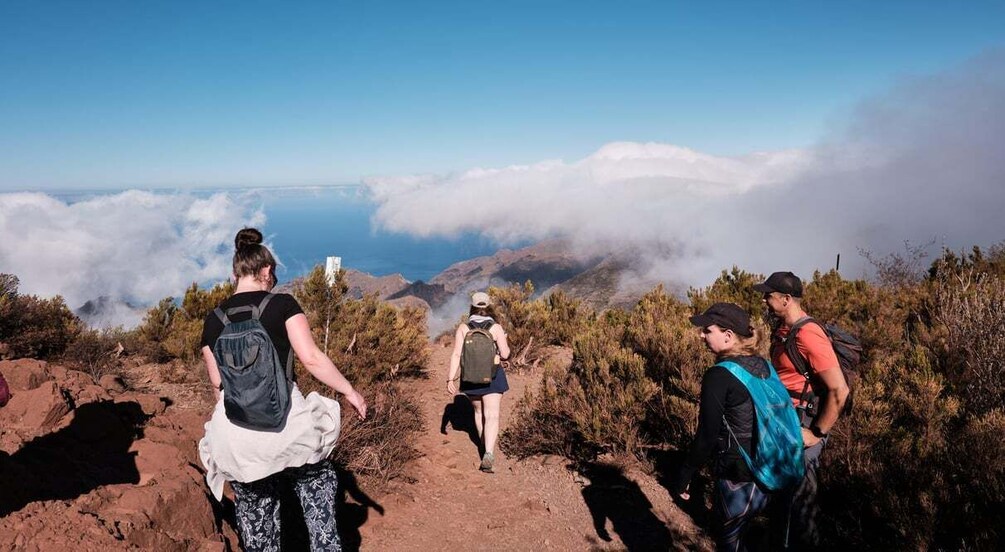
247	237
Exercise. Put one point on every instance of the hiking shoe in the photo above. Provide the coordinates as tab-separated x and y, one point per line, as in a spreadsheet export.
487	461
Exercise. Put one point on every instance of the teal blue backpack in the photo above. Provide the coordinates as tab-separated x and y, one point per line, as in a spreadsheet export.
778	453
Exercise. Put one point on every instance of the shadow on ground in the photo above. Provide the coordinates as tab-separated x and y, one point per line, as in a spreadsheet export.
92	451
667	463
460	415
613	497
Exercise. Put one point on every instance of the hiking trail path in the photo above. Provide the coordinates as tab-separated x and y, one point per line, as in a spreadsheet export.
534	504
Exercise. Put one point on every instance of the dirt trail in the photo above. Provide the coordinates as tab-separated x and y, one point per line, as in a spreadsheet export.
533	504
114	467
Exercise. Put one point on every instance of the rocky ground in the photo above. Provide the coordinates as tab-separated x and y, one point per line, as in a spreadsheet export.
113	465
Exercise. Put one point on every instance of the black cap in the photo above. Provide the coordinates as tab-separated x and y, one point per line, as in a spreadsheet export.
727	316
782	282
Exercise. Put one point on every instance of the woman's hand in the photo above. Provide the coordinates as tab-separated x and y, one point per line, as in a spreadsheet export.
809	439
358	402
452	386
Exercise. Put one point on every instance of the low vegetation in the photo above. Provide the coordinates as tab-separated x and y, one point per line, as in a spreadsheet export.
918	464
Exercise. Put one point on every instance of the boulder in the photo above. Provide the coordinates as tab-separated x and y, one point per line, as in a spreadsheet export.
150	404
36	408
112	383
25	374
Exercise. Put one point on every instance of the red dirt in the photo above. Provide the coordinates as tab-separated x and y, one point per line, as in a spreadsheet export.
120	471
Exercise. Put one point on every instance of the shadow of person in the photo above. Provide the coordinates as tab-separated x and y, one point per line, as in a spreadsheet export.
350	515
612	496
667	463
461	416
353	515
92	451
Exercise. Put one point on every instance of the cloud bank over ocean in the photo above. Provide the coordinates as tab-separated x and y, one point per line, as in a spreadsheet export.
132	247
917	163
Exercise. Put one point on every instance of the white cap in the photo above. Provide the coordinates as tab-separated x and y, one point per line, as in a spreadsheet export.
480	299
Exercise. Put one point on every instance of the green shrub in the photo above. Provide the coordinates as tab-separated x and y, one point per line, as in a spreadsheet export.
31	326
367	339
609	390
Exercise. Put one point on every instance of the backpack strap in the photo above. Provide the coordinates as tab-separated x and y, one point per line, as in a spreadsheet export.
221	315
798	360
792	350
262	305
483	325
289	357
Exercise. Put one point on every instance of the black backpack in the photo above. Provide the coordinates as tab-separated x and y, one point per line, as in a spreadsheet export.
848	350
479	356
256	386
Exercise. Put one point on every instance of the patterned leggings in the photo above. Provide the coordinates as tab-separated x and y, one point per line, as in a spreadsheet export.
735	503
257	505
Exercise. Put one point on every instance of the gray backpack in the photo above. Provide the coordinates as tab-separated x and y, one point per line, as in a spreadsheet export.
256	386
479	357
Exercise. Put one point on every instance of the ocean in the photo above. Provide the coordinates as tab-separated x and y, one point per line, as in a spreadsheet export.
305	225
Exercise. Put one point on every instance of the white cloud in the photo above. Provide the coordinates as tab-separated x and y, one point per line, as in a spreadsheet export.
135	247
920	162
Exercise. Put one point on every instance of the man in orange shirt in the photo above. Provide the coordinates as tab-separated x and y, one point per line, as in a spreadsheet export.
819	396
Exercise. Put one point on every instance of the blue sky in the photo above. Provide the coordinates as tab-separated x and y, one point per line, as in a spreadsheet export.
193	94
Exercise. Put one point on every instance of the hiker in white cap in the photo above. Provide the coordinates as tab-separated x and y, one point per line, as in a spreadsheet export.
479	348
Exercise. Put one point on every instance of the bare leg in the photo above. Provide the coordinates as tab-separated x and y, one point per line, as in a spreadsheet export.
492	402
476	403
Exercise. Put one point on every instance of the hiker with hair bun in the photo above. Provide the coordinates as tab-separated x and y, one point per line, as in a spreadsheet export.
479	348
747	427
264	433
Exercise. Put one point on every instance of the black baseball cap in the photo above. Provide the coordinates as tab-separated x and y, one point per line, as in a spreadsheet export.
727	316
782	282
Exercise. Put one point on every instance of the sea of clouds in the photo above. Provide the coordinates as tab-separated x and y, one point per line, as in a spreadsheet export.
132	248
918	163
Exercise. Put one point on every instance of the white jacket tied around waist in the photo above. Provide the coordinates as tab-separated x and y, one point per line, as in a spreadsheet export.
231	453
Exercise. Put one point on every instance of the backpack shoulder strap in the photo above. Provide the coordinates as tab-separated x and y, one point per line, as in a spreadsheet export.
221	315
792	350
262	305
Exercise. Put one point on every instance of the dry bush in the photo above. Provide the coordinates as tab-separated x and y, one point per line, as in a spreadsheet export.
659	331
915	465
367	339
31	326
532	324
381	446
599	405
169	331
543	422
734	286
374	345
522	318
609	390
918	464
971	308
96	352
564	319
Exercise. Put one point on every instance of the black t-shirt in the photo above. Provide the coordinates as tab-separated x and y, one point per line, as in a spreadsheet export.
282	307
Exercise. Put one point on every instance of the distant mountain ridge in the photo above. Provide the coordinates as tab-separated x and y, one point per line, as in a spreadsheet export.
550	265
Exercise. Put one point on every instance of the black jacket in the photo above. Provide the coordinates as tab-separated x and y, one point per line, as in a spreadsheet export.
723	396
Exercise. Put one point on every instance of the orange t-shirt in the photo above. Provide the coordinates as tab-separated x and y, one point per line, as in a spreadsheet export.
815	347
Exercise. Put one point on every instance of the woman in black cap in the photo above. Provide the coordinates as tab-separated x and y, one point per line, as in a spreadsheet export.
726	331
486	399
